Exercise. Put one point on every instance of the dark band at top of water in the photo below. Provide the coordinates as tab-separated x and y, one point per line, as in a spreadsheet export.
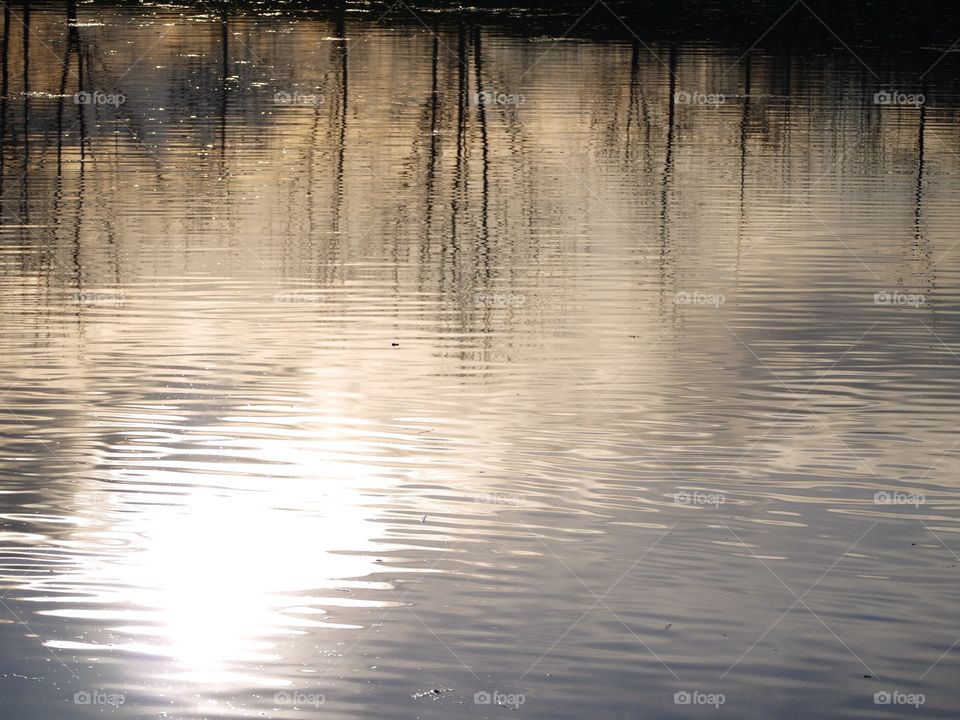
879	24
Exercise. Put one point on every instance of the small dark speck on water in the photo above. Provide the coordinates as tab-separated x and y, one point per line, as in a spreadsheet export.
394	344
434	693
868	676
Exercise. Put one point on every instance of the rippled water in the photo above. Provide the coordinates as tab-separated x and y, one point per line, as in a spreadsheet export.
322	378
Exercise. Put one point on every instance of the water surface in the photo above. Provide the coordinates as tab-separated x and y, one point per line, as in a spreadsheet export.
322	378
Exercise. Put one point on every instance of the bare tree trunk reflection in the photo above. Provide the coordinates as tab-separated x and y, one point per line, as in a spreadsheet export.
921	240
73	48
483	247
744	123
921	139
432	157
4	91
667	168
224	74
462	105
638	105
341	33
25	181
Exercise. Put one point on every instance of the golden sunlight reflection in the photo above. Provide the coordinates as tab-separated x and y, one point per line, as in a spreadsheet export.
205	571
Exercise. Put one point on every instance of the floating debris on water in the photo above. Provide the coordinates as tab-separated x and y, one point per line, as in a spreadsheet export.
434	693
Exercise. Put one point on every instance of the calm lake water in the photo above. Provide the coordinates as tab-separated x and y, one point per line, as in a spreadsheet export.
362	369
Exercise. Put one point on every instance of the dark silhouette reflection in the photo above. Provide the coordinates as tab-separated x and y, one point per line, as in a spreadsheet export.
4	93
477	179
638	111
450	268
25	177
483	261
921	141
667	176
224	75
429	185
923	247
73	49
744	135
343	100
403	290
